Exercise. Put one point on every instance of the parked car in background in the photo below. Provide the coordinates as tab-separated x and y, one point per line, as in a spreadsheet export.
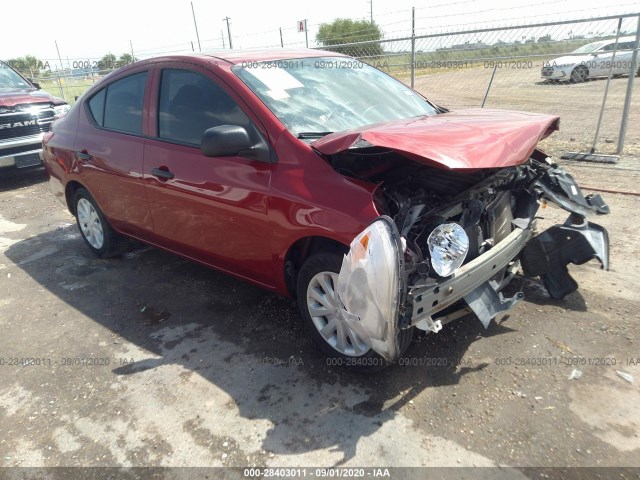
26	114
591	61
316	176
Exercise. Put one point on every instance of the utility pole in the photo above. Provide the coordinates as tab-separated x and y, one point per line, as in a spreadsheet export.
371	10
226	19
222	37
196	25
61	67
133	58
59	57
306	34
281	42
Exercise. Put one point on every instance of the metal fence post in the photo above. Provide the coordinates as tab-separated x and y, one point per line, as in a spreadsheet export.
606	88
627	98
486	94
60	85
413	46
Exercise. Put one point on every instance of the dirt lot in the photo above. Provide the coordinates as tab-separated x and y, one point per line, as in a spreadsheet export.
153	360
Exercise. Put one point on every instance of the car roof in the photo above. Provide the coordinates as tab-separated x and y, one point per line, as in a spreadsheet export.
613	40
235	57
261	55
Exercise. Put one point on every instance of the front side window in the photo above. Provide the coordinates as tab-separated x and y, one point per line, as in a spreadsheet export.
119	105
191	103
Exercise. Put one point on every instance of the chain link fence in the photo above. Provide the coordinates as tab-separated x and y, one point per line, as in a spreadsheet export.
531	68
458	67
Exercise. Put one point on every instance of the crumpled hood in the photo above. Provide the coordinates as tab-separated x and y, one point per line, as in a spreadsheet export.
473	138
18	97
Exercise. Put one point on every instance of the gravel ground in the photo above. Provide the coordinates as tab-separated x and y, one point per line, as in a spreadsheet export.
153	360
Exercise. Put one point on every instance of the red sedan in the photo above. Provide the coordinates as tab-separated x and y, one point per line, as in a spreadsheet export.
318	176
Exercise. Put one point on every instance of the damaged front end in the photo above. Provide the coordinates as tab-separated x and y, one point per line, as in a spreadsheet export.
448	241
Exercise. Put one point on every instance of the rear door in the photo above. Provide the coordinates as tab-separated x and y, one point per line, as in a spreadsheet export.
109	147
213	209
624	56
605	59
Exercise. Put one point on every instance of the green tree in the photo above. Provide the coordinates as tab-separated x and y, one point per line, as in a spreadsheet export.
28	65
125	59
333	36
108	62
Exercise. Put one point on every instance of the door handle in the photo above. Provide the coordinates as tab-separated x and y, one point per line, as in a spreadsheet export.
161	173
84	155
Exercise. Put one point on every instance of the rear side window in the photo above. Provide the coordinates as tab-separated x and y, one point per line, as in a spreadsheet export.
119	105
96	105
191	103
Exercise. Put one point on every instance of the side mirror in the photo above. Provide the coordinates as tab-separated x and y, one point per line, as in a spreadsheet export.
35	84
233	141
225	141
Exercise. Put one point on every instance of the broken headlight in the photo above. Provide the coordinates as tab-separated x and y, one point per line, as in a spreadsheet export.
448	245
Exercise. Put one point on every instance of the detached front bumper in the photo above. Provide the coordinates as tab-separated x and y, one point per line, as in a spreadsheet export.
381	295
470	282
371	285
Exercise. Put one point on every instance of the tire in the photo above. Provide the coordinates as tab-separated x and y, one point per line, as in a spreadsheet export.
96	232
579	74
317	278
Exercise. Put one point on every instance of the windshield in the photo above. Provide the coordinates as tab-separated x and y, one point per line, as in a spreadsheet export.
590	48
316	96
10	80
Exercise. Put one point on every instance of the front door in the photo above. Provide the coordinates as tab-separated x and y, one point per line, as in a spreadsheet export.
213	209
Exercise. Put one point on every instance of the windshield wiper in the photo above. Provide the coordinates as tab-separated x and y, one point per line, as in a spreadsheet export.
304	135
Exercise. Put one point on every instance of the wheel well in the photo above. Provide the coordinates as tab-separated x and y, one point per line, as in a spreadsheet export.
69	192
303	249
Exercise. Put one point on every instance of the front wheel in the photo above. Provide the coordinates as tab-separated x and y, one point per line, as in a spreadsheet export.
319	304
103	241
579	74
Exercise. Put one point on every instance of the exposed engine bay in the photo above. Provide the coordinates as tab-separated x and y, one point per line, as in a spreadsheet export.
449	240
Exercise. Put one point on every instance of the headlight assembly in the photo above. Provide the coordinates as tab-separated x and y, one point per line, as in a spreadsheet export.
60	110
448	245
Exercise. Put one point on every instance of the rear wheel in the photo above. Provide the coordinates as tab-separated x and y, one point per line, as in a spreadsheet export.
579	74
96	231
319	303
